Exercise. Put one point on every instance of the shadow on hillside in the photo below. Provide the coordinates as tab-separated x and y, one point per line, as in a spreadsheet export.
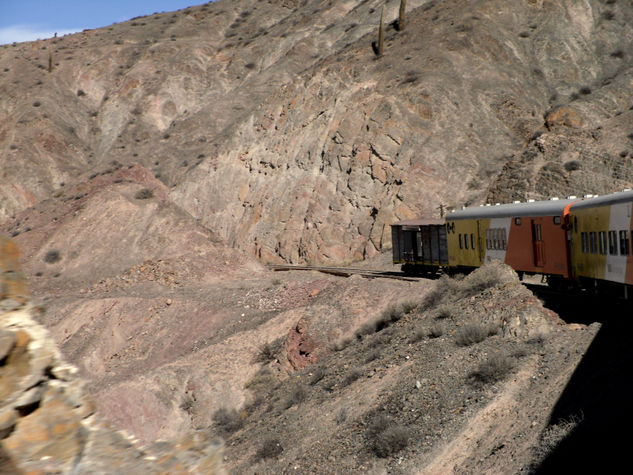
598	396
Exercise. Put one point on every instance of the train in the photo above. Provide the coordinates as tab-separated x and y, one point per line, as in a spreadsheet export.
573	243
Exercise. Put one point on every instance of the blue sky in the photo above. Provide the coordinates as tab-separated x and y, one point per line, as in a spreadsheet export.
28	20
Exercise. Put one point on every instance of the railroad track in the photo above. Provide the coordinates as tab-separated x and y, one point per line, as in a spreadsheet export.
347	271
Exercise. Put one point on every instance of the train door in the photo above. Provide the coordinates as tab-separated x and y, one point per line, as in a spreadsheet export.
480	249
538	244
426	243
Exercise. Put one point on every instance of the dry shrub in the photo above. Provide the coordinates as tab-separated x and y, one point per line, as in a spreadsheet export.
389	316
227	421
340	345
52	256
269	449
494	369
317	375
353	374
296	396
471	334
269	351
435	331
419	333
483	278
444	287
261	382
144	194
386	437
372	355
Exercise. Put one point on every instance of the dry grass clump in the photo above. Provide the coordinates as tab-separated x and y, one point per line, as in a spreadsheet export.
554	434
494	369
262	381
422	331
227	421
318	374
386	437
471	334
353	374
483	278
52	256
269	351
296	396
388	317
444	287
144	194
270	448
435	331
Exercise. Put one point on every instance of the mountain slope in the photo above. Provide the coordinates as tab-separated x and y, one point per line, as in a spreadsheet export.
277	127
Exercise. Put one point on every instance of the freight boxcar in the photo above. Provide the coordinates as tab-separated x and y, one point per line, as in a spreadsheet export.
420	245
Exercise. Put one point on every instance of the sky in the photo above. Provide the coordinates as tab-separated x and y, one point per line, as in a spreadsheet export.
28	20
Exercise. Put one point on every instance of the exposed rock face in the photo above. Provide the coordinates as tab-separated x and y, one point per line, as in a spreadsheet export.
47	423
277	128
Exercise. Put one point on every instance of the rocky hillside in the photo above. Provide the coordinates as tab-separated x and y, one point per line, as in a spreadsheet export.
276	126
148	170
48	422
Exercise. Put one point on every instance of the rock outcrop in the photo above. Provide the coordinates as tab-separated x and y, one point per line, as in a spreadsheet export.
47	423
277	128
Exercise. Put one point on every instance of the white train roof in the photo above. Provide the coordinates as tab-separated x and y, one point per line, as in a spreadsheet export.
604	200
553	207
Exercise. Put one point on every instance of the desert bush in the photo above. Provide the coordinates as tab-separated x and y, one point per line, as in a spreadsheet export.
493	369
572	165
262	381
317	375
443	311
296	396
419	333
187	403
372	355
353	374
144	194
269	449
554	434
366	328
340	345
269	351
227	421
443	287
341	416
480	280
52	256
435	331
471	334
386	437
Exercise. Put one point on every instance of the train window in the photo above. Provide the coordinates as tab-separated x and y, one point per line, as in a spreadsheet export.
593	242
465	241
461	245
602	241
556	219
584	242
472	241
613	243
517	221
624	243
575	224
